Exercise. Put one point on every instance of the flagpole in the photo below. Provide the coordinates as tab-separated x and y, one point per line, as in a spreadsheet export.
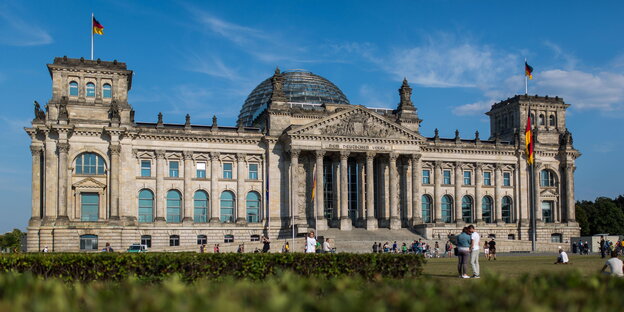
91	28
526	81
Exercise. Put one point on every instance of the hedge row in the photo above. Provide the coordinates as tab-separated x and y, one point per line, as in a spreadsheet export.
192	266
290	292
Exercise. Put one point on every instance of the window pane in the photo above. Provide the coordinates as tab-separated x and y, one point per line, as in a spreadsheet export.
447	177
467	178
106	91
146	168
173	206
227	206
506	209
467	209
73	88
253	207
146	240
547	211
173	169
227	170
426	208
201	170
486	208
506	179
201	207
447	207
146	206
253	171
90	204
425	177
487	178
90	89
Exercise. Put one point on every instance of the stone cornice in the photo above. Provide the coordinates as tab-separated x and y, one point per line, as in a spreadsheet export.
197	138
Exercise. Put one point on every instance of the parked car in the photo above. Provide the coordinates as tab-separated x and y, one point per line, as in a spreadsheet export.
137	248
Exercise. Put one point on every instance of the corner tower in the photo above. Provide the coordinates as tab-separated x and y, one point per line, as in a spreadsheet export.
547	115
89	91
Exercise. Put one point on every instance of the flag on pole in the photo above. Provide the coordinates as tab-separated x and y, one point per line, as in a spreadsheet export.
529	144
97	27
528	70
314	185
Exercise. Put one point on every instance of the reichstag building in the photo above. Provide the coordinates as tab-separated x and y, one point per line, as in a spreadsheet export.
301	156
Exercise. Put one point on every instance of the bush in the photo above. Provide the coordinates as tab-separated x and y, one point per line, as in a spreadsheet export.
290	292
192	266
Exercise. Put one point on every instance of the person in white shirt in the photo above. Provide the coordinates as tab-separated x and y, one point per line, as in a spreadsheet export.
474	251
326	246
563	257
615	265
310	246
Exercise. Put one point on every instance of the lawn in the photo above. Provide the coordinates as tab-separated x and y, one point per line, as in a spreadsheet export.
515	265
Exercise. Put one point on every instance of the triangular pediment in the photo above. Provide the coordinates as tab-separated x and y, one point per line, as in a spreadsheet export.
89	183
356	122
548	193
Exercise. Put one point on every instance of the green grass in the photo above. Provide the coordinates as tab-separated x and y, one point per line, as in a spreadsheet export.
515	266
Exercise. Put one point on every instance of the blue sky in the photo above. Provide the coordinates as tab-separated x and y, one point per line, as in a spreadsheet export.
204	58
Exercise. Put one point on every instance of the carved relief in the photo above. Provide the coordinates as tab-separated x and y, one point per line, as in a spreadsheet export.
360	124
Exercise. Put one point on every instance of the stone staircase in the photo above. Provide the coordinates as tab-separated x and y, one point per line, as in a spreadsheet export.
361	240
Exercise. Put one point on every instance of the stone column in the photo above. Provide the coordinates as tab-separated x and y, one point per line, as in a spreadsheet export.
458	195
321	222
538	201
498	198
161	208
478	193
241	216
51	183
294	182
63	148
35	217
336	188
395	221
114	171
437	192
361	178
407	190
345	221
569	187
215	213
371	221
416	184
188	188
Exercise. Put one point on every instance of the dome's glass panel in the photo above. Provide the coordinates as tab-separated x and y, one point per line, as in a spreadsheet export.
299	87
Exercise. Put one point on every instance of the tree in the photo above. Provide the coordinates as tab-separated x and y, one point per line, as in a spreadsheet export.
581	217
606	217
11	240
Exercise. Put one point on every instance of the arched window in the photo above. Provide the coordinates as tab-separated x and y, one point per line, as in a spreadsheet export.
426	208
73	88
486	208
253	207
532	120
146	206
89	163
547	178
174	203
551	120
89	206
467	209
200	202
227	206
88	242
541	120
90	89
447	208
107	91
506	209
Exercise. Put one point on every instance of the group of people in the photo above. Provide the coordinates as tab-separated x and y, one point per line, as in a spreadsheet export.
416	247
313	245
582	248
608	247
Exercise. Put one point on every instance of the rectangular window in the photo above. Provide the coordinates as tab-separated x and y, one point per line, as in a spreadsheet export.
174	240
253	171
506	179
487	178
426	178
146	168
202	239
547	211
146	240
201	170
228	238
467	178
174	167
447	177
227	170
90	203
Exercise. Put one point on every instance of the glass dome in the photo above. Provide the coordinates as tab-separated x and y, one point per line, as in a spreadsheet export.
299	87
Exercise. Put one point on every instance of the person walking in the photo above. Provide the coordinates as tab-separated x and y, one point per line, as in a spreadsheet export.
448	248
463	252
474	251
286	248
266	244
395	247
602	248
375	247
492	249
310	243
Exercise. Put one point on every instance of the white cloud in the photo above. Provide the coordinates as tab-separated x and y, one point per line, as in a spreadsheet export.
210	65
373	98
602	90
18	31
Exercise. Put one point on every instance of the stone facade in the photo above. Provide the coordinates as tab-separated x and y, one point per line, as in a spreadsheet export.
100	176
